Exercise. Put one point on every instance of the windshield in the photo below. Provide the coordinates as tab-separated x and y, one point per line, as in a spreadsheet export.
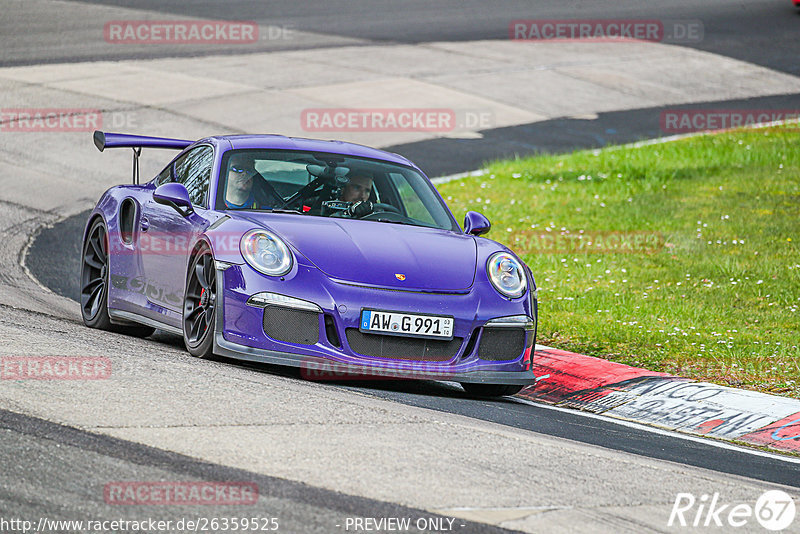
329	185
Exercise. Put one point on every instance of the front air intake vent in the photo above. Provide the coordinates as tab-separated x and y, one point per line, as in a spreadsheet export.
402	348
501	344
291	326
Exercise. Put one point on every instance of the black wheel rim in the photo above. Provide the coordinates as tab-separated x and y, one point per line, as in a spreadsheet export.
201	296
95	272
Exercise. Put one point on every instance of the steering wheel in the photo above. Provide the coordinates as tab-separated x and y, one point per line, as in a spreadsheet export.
389	216
379	206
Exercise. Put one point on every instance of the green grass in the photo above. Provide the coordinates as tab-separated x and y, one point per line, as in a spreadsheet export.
716	294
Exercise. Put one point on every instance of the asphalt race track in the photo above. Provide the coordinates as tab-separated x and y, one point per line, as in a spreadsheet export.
97	459
605	433
761	32
321	453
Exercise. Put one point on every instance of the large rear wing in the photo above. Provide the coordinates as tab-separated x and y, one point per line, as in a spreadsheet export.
104	140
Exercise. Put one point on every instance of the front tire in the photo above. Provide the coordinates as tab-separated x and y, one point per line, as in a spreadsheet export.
199	305
491	390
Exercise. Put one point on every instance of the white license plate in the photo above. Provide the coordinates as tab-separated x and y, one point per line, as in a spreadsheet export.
406	324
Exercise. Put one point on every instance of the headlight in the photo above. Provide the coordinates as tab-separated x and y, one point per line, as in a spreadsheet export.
506	274
266	252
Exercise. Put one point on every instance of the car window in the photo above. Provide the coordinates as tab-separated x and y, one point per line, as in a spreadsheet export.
318	184
412	202
165	176
283	171
285	177
193	170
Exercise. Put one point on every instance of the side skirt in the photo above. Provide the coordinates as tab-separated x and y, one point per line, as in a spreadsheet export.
127	318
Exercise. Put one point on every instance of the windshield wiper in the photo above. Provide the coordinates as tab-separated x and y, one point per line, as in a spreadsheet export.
284	210
411	222
393	222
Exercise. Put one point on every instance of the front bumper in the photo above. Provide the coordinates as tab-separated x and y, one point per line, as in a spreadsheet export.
241	330
323	369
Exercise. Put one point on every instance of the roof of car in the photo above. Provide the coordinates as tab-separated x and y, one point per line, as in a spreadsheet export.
282	142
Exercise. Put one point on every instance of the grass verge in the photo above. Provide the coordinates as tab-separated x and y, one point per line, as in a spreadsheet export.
681	257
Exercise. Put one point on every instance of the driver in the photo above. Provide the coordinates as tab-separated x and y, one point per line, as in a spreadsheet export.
239	192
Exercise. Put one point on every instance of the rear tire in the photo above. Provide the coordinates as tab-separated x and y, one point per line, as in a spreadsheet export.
94	285
491	390
94	278
199	305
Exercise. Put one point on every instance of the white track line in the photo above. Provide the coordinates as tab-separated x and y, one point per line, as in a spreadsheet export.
663	432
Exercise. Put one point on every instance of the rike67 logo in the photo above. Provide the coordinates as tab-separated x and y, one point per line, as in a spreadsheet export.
774	510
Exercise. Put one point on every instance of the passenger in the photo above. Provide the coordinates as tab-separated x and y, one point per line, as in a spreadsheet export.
239	192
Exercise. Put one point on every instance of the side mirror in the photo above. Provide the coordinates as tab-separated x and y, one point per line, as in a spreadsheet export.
476	223
174	195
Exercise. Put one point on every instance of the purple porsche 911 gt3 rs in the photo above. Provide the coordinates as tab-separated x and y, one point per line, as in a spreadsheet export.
337	258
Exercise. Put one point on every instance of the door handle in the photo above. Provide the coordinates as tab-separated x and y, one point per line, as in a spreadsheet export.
144	224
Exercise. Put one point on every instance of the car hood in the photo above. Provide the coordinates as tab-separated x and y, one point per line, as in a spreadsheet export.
379	254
